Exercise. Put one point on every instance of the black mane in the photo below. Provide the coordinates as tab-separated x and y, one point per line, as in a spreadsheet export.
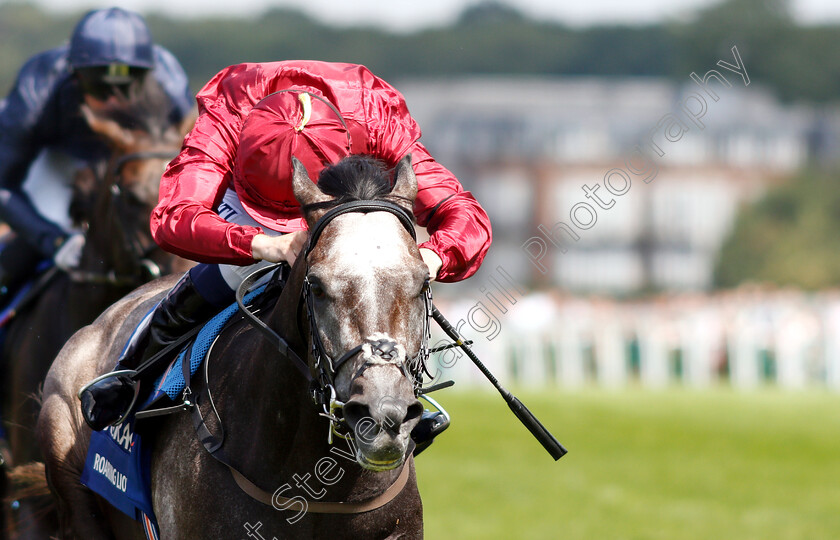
357	178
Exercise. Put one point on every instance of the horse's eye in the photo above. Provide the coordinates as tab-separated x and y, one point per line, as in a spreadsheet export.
426	286
317	290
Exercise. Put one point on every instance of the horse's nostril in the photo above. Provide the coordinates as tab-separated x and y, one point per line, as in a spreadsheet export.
387	416
414	411
354	412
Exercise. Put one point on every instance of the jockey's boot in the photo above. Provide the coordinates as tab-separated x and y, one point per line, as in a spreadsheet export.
107	400
431	424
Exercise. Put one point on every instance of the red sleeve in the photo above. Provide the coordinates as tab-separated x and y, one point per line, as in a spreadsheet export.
184	221
458	226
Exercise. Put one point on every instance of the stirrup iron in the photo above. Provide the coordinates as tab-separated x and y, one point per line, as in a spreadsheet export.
131	375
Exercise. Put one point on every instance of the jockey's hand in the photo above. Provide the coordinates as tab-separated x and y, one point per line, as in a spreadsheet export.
68	255
432	260
278	248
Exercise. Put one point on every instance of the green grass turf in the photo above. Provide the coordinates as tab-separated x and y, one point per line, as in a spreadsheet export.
674	464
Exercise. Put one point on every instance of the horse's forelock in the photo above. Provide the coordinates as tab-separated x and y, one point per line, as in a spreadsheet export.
356	178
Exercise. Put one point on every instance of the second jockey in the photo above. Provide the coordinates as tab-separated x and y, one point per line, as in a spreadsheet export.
44	137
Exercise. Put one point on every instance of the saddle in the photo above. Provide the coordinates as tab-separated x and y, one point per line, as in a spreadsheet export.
189	352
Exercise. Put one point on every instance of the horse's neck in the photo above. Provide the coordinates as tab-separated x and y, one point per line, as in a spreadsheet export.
279	432
262	390
288	314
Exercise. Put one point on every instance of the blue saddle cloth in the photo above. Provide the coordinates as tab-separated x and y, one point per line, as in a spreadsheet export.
172	383
118	465
117	468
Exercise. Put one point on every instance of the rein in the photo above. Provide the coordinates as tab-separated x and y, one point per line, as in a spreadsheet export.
213	444
322	388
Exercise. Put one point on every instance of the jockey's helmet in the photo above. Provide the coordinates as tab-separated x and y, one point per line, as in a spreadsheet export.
110	47
284	124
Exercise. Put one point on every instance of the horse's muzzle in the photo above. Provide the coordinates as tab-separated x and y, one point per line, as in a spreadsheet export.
382	422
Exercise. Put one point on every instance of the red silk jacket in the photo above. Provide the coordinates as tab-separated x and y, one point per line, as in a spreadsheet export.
185	223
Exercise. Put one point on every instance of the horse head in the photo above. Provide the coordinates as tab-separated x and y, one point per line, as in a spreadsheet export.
115	203
367	295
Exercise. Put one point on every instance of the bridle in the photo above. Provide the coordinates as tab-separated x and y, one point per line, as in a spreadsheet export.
322	385
325	367
138	256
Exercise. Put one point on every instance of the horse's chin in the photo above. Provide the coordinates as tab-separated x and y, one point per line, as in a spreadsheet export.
378	465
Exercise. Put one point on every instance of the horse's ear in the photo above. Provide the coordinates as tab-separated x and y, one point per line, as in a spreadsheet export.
405	184
305	190
113	133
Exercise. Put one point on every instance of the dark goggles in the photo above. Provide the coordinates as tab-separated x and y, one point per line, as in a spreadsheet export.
102	82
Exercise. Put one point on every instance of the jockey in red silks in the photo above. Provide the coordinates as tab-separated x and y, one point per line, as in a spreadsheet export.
227	199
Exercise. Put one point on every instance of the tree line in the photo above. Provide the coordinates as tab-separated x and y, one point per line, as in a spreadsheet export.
787	237
797	62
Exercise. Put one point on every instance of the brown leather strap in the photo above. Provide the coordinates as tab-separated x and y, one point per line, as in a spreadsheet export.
316	507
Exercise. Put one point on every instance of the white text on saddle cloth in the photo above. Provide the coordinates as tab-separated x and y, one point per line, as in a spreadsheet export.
122	435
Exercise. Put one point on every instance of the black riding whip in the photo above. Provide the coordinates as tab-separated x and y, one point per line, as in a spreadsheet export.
525	416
